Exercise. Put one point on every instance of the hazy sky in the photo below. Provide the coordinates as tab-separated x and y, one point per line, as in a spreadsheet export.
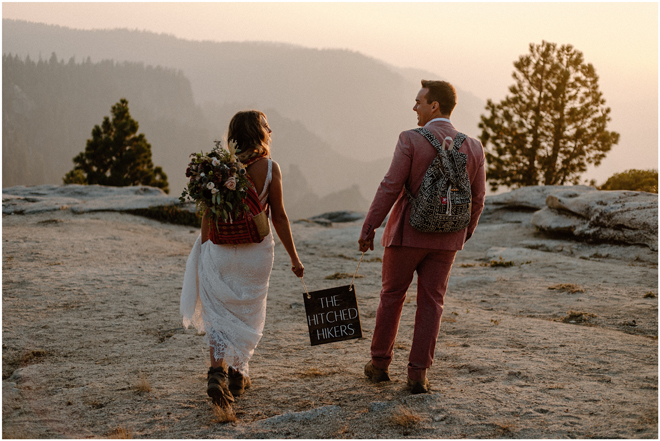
472	45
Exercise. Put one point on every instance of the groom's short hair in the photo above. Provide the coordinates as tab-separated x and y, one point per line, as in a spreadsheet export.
442	92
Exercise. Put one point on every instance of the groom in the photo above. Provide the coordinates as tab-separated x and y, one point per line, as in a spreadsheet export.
407	250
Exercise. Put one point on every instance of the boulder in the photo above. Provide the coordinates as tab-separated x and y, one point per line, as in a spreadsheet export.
82	198
554	221
339	216
318	221
629	217
532	197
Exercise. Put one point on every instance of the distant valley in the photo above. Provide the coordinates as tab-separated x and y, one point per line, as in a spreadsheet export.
336	114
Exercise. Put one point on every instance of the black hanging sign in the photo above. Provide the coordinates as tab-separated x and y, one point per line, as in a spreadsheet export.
332	315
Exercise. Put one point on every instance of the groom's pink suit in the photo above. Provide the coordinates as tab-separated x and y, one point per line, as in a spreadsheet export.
408	250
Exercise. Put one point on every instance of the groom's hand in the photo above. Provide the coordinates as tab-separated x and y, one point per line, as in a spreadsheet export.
368	243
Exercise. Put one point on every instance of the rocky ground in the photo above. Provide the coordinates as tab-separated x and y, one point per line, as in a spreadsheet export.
541	338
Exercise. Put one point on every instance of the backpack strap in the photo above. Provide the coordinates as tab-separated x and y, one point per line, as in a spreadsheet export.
426	133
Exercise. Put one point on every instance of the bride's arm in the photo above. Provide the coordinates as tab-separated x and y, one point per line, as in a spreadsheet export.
281	220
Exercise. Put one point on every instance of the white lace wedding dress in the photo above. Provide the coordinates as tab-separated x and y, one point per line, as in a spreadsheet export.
224	293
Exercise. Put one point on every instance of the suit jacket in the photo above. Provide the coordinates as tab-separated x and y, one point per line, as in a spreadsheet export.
412	157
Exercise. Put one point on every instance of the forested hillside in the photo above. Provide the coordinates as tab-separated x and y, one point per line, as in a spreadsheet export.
50	107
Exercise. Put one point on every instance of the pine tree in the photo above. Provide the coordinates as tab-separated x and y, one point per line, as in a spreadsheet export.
116	155
552	125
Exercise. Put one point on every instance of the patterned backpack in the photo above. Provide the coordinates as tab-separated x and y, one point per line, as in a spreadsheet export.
444	200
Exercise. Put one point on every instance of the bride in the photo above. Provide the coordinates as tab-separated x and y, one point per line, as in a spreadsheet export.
225	286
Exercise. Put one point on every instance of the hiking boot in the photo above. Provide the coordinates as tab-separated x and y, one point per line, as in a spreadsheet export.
238	382
418	387
217	387
375	374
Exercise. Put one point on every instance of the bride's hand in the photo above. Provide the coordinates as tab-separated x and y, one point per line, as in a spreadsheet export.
297	268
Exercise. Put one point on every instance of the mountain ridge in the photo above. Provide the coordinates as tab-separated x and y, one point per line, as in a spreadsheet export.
337	93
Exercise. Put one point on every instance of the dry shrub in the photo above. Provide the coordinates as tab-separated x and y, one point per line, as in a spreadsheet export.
468	265
316	372
143	385
374	259
404	417
311	372
650	295
570	287
578	316
120	432
499	263
336	276
31	355
503	428
223	415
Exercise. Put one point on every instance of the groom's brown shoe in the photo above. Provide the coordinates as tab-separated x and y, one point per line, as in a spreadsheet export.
375	374
418	387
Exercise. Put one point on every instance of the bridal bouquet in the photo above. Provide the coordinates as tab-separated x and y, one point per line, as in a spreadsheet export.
217	182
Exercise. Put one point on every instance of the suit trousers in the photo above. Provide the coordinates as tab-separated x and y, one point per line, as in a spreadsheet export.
399	265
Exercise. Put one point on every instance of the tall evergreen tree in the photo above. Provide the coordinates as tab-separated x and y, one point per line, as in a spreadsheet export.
552	125
116	155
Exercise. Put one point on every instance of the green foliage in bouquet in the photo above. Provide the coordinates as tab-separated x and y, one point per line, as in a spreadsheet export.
217	183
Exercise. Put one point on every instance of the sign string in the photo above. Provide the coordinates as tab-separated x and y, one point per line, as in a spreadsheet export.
305	286
356	271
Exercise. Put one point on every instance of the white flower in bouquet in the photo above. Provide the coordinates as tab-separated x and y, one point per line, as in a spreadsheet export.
215	162
210	185
231	183
214	190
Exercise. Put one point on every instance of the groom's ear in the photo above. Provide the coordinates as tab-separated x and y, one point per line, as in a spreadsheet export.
435	106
